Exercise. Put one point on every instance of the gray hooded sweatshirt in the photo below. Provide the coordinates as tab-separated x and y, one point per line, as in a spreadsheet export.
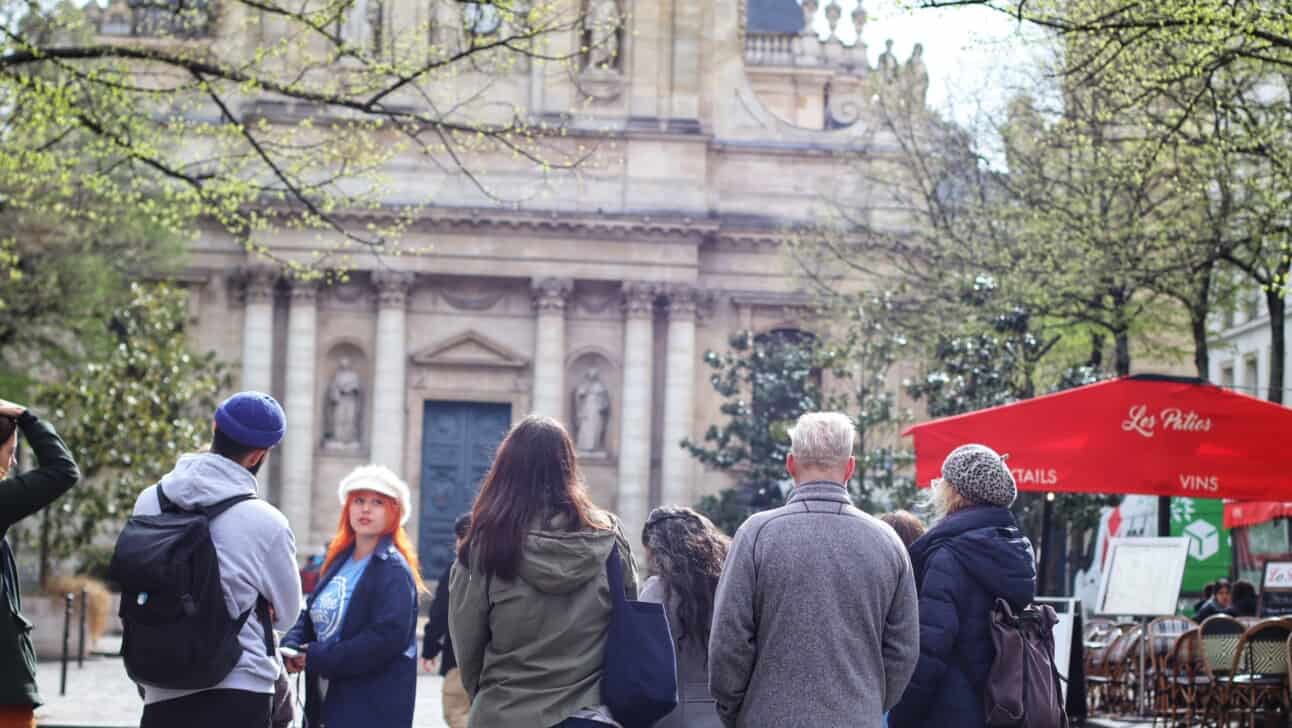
257	555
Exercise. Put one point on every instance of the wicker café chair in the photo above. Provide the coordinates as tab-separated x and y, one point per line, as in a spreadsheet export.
1189	684
1101	647
1100	669
1258	678
1162	635
1099	630
1123	672
1220	636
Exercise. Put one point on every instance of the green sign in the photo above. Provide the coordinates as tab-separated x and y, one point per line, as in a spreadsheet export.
1202	521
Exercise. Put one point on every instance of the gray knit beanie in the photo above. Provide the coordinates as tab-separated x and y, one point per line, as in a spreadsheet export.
980	475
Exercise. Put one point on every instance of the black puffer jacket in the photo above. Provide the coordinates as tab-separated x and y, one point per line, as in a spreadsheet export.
961	566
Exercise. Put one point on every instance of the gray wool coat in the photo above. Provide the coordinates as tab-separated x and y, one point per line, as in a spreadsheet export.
815	622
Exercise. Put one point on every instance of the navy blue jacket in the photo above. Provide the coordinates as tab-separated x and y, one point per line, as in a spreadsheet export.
961	566
372	681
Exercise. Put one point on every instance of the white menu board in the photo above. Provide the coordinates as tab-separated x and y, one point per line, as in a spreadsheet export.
1142	576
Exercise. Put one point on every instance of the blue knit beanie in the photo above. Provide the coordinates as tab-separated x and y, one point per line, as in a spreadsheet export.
252	419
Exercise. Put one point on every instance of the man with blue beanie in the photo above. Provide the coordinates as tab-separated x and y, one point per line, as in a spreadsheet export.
257	557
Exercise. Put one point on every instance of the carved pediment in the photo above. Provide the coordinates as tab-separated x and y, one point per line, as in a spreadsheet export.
470	349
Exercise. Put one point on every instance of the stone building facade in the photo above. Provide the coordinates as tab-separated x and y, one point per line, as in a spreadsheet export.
716	125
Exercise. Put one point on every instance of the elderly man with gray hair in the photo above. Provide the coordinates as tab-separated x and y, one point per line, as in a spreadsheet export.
814	622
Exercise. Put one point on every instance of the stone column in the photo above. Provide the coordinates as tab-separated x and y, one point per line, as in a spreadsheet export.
549	346
298	446
679	387
389	372
635	412
258	327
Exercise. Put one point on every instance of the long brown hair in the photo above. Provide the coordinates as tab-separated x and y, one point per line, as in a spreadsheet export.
534	475
687	551
344	537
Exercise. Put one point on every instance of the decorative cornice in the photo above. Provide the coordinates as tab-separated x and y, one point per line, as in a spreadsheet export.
771	299
393	287
256	283
639	298
550	294
468	221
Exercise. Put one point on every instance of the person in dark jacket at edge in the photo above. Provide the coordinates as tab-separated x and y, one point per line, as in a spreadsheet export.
1244	602
21	495
974	554
436	642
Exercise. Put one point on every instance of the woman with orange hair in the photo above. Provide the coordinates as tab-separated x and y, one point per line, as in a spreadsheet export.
356	639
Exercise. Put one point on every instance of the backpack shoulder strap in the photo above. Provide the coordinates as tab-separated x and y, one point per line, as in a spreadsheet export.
214	510
166	504
615	577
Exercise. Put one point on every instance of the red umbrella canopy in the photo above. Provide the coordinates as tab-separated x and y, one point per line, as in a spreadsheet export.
1145	434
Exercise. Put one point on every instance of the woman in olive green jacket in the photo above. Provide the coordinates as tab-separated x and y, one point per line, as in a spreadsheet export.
21	496
529	600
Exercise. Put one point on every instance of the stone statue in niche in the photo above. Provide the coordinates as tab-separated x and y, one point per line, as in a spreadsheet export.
604	20
344	411
591	412
916	77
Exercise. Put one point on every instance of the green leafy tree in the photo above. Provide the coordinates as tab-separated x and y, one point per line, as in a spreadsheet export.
1202	85
64	275
767	382
259	115
127	415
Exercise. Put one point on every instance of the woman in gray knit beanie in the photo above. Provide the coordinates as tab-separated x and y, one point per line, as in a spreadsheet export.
974	555
973	475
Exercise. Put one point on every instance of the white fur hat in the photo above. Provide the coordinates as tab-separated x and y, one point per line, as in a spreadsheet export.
379	479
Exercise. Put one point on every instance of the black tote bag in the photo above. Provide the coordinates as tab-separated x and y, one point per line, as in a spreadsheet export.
639	678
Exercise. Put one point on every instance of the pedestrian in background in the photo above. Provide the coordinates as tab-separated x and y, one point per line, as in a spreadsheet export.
437	645
529	597
1218	603
684	554
1243	602
908	526
814	620
21	495
357	638
973	555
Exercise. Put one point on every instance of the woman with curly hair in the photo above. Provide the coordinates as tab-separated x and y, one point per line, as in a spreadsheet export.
684	557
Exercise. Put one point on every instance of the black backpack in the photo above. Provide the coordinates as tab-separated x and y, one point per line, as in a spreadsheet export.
178	632
1023	685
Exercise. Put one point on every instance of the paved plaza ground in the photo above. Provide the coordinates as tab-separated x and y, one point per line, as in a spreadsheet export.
100	695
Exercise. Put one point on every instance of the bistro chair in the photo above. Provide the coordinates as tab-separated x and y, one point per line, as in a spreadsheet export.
1220	636
1098	629
1163	634
1258	677
1097	659
1189	687
1123	672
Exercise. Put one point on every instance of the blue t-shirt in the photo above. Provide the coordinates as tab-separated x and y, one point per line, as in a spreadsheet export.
328	609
